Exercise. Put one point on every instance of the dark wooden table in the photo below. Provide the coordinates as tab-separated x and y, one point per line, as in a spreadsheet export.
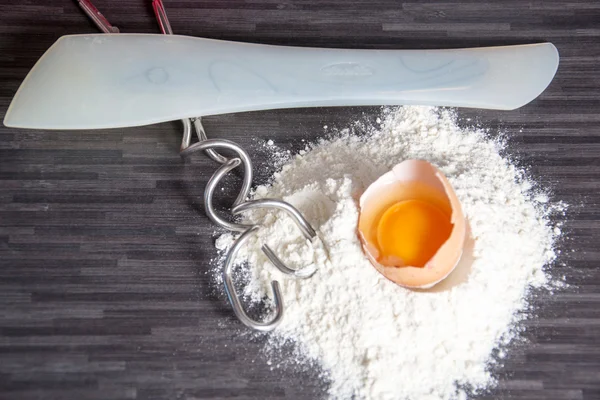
104	250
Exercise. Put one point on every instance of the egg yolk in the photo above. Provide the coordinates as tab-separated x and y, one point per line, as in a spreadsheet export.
412	231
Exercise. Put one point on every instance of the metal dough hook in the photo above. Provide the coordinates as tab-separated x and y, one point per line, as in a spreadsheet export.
234	299
239	206
208	146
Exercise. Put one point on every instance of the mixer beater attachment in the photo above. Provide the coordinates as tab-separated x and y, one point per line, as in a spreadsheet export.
240	205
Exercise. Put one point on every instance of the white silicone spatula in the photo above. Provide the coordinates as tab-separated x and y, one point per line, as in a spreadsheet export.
109	81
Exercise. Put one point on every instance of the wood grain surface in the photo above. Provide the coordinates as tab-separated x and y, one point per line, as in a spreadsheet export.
104	248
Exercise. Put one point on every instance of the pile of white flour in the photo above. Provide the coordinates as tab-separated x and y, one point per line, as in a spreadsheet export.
373	338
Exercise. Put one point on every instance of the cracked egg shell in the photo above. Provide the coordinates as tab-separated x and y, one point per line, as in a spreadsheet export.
411	225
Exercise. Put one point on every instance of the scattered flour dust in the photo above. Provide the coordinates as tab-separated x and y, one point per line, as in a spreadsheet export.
374	339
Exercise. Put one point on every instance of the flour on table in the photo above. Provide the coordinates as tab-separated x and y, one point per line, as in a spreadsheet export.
373	338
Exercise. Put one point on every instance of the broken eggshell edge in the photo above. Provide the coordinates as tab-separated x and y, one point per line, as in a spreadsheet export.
445	260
